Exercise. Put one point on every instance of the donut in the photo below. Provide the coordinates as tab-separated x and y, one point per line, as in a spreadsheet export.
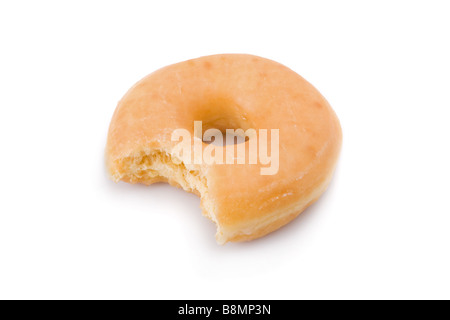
245	93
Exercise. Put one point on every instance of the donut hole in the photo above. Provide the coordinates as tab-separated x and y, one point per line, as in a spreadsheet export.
220	115
227	139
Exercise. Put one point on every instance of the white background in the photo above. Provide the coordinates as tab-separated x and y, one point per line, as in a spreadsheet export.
382	230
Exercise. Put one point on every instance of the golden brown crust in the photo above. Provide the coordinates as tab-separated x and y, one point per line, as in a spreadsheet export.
236	91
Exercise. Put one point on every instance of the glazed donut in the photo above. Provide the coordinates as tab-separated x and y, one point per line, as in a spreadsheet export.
228	91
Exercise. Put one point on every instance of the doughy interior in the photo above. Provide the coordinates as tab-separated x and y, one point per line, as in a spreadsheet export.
160	166
144	168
